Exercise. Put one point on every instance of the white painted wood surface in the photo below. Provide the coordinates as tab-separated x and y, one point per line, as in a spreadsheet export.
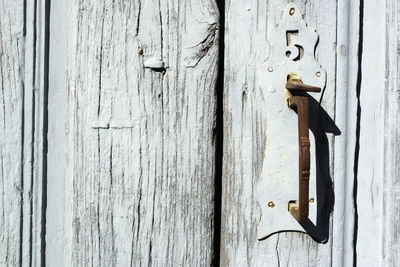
244	128
59	187
109	158
139	144
23	86
11	91
390	135
378	194
347	71
358	47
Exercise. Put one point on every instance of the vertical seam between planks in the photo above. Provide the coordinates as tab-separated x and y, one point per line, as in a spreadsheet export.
219	137
46	55
33	108
21	222
357	145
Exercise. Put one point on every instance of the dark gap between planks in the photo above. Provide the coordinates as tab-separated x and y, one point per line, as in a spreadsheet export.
219	137
357	146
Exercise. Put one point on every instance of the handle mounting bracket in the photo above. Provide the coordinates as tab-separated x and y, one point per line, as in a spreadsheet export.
290	81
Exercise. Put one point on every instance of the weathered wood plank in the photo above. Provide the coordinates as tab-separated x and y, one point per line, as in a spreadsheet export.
59	185
371	97
378	191
141	113
131	149
391	133
346	104
11	125
23	146
35	131
365	159
246	47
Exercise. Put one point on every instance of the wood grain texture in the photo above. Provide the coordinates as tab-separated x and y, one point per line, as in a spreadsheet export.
244	123
35	132
141	114
359	48
369	190
346	105
59	188
11	114
23	146
378	170
129	171
391	133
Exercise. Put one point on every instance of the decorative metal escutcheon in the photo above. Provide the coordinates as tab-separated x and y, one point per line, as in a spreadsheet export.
290	81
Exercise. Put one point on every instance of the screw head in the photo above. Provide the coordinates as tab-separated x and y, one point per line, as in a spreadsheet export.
270	69
271	204
312	200
291	11
318	74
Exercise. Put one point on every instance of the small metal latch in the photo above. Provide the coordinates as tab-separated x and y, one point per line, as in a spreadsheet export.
286	188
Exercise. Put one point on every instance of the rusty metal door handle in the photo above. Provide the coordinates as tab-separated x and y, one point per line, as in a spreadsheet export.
298	101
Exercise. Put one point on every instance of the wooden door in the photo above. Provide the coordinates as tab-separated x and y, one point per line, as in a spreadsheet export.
138	113
133	133
357	47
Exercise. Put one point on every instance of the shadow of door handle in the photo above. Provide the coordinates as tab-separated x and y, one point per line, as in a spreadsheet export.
298	101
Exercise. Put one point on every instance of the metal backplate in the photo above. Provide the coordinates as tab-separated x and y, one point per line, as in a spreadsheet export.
293	46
